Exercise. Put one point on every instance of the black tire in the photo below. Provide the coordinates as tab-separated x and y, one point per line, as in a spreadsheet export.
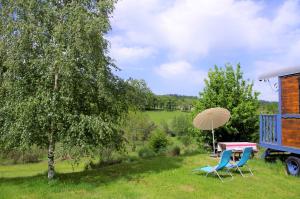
293	166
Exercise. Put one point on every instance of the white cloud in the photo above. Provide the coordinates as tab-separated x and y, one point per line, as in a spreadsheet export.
131	53
126	53
181	72
180	77
288	15
198	27
193	28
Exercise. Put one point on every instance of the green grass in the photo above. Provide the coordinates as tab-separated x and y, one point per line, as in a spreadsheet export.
167	116
160	177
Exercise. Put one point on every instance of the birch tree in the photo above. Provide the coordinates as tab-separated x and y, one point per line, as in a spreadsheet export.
56	79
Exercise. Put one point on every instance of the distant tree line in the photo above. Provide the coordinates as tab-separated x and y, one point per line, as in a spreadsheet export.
267	107
144	99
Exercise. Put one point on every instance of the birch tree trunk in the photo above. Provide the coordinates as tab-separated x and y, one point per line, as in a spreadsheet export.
51	148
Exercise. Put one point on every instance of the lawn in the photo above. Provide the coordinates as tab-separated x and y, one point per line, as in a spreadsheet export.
167	116
159	177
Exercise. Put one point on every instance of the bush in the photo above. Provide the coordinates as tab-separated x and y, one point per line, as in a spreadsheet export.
159	142
165	127
174	151
32	155
181	124
146	152
138	127
185	140
30	158
117	159
100	164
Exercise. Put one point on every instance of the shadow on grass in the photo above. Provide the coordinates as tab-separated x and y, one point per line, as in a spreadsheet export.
223	174
127	171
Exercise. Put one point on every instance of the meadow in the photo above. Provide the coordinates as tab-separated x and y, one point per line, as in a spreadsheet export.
157	177
167	116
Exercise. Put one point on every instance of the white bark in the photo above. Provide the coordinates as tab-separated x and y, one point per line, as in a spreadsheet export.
51	148
51	170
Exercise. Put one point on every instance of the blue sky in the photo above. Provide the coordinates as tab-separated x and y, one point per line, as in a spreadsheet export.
173	43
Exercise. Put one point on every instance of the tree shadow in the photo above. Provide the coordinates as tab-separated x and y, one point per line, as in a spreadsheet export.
133	171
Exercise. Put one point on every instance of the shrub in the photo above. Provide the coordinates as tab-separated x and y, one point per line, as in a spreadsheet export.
181	124
129	159
174	151
31	155
146	152
165	127
185	140
15	156
138	127
104	163
30	158
159	141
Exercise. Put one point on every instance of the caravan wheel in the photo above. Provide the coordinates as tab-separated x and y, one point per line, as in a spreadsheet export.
293	166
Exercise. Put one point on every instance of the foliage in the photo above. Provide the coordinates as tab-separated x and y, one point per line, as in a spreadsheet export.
186	140
106	153
114	158
146	152
174	150
165	127
268	107
181	124
159	141
140	95
142	98
225	87
56	80
100	164
16	156
183	128
137	127
176	102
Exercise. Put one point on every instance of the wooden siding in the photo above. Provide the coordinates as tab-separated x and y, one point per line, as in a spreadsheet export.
290	94
291	132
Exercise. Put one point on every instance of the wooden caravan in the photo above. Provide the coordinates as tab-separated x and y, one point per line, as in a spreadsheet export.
280	133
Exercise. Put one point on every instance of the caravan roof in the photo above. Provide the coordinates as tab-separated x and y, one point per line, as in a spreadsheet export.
280	73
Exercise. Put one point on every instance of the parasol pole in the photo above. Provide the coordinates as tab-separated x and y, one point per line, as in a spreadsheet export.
213	135
213	142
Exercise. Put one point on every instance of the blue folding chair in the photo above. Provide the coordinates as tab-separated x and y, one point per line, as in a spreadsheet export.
224	160
242	162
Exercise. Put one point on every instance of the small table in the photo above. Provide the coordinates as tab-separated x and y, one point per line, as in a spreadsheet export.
236	147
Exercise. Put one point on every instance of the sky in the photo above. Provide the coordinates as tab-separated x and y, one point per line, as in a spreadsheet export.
172	44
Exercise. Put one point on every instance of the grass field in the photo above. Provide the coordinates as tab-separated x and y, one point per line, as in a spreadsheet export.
167	116
160	177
